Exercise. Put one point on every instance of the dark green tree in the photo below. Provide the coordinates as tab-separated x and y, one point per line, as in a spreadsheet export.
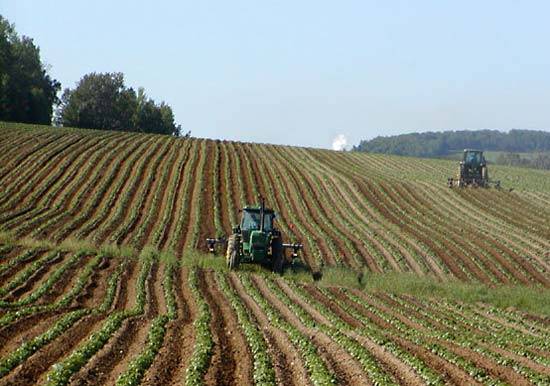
27	92
102	101
99	101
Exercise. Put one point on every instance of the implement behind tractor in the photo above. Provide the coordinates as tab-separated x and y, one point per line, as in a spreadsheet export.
472	171
256	240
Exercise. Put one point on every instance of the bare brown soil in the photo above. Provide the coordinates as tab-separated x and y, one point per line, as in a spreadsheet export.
155	213
35	280
206	210
176	205
171	362
34	369
182	239
10	272
107	365
89	203
231	361
449	371
136	185
288	364
347	370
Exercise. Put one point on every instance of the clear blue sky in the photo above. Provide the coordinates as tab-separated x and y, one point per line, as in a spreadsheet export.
302	72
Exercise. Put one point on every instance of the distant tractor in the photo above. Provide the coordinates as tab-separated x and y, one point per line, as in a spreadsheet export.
472	171
256	240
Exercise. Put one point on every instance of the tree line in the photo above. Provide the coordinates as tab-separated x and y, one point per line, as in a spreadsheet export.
442	144
28	94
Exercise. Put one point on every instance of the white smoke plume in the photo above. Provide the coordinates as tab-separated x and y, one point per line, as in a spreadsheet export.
339	142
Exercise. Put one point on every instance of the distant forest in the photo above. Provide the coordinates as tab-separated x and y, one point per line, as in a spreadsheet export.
442	144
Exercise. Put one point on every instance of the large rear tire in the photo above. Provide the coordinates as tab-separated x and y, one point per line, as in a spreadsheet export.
232	254
484	176
278	255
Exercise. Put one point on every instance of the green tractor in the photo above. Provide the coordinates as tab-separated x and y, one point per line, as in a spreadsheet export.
472	171
256	240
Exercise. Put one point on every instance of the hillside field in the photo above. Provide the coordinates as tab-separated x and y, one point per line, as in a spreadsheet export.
104	277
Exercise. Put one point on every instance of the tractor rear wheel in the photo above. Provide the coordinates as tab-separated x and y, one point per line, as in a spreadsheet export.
484	175
232	254
277	255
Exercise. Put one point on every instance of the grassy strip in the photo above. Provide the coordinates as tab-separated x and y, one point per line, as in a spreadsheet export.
263	374
533	299
200	359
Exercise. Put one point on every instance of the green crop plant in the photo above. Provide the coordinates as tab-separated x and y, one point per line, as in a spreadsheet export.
317	370
204	343
264	373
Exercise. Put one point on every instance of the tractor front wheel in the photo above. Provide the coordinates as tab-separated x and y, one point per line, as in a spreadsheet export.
232	255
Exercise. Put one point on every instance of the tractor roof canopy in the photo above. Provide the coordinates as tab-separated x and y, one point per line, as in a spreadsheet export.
257	209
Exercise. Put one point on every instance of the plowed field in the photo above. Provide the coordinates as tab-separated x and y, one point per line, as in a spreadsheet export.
97	230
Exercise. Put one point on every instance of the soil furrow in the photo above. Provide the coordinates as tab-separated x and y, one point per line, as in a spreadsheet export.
190	212
206	210
288	364
33	369
401	371
173	357
107	365
35	280
176	204
10	271
231	361
347	370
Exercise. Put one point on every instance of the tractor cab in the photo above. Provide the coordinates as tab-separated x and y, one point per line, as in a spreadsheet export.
257	230
473	158
252	220
473	165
